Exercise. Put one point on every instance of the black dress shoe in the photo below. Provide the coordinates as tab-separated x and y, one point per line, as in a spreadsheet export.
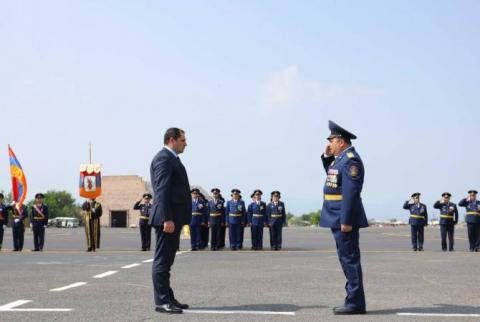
168	308
415	249
420	249
343	310
180	305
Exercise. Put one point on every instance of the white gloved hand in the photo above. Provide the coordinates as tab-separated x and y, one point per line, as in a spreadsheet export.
4	226
44	226
16	220
31	225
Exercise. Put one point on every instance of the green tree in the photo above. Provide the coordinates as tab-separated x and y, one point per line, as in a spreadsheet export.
315	218
60	204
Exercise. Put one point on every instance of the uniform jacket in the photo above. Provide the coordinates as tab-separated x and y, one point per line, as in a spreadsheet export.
342	203
144	212
171	189
448	212
276	213
257	213
235	212
216	212
199	212
473	210
3	214
94	207
418	213
37	219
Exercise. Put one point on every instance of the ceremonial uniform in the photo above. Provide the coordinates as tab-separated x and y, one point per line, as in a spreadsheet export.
145	228
3	219
257	219
276	219
223	229
216	220
448	220
235	216
204	230
342	206
18	226
199	218
92	213
473	220
39	221
418	220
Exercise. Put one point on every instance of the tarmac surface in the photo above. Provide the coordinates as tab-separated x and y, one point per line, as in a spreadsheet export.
300	283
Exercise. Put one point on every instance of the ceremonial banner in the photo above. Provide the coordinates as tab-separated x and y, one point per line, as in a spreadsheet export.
19	182
90	181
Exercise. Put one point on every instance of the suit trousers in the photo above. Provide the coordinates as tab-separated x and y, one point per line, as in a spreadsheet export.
165	250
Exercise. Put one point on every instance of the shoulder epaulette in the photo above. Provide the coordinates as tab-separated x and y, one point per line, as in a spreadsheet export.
350	155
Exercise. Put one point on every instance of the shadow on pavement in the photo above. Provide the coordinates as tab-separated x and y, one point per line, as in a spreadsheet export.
437	309
262	307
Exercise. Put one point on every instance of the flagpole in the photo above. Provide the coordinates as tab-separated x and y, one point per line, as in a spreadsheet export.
90	152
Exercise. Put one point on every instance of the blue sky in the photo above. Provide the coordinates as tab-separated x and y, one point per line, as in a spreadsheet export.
254	84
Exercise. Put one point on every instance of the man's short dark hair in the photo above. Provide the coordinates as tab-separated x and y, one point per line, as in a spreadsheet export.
174	133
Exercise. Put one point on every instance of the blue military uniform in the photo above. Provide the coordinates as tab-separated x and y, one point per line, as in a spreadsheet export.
418	220
343	206
257	219
276	220
235	216
3	219
204	231
216	220
145	228
18	226
199	218
473	220
448	220
39	221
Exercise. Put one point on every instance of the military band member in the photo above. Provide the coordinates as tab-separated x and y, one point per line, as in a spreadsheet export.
38	222
223	228
418	220
276	220
473	219
3	218
18	226
92	211
448	220
343	212
204	230
257	219
216	218
198	219
144	206
235	214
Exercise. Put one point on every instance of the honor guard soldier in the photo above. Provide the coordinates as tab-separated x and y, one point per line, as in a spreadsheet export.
418	220
276	219
473	219
18	226
223	228
38	222
198	219
216	218
92	211
343	212
204	231
257	219
235	214
145	228
448	220
3	218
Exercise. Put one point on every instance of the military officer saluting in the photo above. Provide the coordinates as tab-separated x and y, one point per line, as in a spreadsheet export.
198	219
92	211
235	214
276	220
216	218
343	212
448	220
38	222
18	226
3	218
257	219
144	206
418	220
473	219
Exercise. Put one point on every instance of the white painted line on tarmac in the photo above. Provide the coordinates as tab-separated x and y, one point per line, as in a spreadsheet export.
440	315
105	274
238	312
63	288
11	307
131	265
148	260
178	253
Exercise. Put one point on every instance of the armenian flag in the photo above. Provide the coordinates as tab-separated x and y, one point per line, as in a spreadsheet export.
19	182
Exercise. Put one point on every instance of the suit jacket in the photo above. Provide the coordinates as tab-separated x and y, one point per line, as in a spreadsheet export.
171	190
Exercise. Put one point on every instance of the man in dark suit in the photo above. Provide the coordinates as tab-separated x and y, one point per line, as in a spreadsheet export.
171	209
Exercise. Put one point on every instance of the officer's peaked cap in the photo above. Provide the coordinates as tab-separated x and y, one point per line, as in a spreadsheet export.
416	194
336	130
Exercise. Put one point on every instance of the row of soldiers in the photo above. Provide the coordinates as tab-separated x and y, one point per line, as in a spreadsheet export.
448	219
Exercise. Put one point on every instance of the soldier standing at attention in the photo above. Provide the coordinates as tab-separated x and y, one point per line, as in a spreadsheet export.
418	220
144	206
223	228
204	230
92	211
18	226
473	219
448	220
276	220
216	218
38	222
198	219
3	218
235	217
257	218
343	212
